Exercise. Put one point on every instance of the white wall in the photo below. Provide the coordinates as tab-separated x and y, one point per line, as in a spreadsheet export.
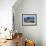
28	7
43	22
6	13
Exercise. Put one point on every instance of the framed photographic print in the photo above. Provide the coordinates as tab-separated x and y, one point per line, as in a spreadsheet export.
29	19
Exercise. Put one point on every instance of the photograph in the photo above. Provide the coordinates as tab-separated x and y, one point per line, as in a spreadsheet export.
22	22
29	19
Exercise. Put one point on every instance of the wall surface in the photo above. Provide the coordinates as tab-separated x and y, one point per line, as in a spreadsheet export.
28	7
6	16
6	13
43	22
